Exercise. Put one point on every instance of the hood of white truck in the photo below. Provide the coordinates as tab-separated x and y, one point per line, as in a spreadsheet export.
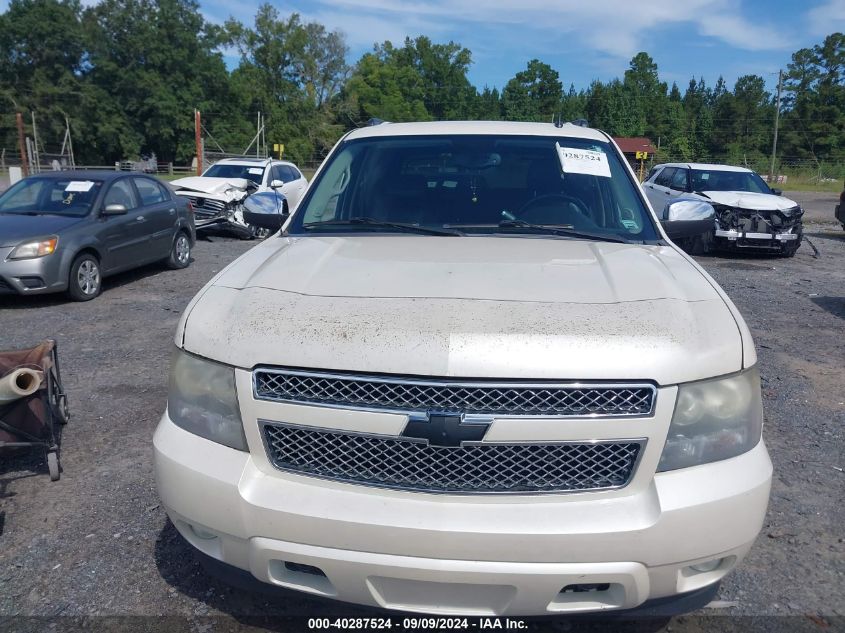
511	307
752	201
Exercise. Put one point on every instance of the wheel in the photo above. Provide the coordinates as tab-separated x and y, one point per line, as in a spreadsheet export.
53	466
789	248
257	232
85	279
180	252
64	411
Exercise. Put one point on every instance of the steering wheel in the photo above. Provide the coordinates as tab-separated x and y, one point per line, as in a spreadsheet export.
579	204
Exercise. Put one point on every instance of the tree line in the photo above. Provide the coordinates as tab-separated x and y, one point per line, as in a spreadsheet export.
127	75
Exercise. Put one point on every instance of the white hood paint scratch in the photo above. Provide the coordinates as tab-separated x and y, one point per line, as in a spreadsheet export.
479	307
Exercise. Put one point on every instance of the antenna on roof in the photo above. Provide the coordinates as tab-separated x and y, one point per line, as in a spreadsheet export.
580	122
557	119
375	121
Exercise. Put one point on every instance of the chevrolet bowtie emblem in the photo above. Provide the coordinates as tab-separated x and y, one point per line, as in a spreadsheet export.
446	428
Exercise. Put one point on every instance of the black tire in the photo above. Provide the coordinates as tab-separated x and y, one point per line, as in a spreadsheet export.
257	232
180	252
85	280
790	248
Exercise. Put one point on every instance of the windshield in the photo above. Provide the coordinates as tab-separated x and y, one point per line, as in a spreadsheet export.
719	180
50	196
250	172
476	184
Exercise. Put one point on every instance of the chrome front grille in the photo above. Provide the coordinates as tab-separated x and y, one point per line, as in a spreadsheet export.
473	467
207	207
483	398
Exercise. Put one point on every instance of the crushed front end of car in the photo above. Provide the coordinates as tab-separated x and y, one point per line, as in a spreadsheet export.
765	229
217	202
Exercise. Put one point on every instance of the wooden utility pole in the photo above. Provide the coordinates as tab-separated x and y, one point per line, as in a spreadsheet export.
772	176
22	146
198	139
36	159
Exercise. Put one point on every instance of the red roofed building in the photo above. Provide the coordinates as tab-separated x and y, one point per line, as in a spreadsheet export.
631	145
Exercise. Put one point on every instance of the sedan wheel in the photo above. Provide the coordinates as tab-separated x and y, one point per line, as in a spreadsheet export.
180	253
86	279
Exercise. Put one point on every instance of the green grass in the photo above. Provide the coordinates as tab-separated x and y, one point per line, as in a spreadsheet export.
168	177
798	184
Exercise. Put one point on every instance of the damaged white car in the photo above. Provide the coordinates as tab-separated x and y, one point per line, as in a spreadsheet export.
217	196
749	214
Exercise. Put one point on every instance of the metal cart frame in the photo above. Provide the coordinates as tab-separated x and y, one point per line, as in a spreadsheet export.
56	413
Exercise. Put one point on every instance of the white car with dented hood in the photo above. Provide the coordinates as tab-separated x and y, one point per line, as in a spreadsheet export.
218	195
749	214
471	375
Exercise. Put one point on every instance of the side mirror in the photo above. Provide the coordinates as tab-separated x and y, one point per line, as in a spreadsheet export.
777	192
276	184
115	209
264	210
687	217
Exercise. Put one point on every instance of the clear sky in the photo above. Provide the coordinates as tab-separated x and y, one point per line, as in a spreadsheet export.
582	39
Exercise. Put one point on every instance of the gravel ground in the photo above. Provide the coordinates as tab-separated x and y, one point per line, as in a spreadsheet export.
97	543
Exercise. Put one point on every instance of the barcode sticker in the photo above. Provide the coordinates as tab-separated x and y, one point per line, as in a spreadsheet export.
583	161
256	171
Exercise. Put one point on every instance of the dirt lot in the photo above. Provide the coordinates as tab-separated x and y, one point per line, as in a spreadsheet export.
97	543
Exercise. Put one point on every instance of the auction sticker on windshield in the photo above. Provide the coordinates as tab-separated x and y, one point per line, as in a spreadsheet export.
583	161
79	185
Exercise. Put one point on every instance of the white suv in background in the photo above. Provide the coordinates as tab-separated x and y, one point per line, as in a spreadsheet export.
217	196
749	214
264	173
472	376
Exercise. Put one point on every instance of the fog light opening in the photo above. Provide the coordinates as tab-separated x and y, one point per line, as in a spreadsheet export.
586	587
200	533
304	569
706	566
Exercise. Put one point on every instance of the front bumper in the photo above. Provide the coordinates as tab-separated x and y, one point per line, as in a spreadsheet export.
31	276
755	240
463	555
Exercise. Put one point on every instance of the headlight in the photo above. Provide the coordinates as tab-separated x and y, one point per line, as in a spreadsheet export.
713	420
202	399
30	250
792	211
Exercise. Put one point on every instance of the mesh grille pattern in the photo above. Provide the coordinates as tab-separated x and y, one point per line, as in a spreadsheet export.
398	394
207	207
396	462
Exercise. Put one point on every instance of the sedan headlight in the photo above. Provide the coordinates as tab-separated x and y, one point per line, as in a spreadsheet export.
38	248
713	420
202	400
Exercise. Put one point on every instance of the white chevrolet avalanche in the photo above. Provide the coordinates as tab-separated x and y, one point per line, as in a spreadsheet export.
471	375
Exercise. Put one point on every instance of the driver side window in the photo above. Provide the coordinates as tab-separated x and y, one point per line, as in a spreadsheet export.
679	180
121	192
664	178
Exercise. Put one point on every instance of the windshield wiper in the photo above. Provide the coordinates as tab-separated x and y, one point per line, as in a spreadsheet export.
401	226
565	230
